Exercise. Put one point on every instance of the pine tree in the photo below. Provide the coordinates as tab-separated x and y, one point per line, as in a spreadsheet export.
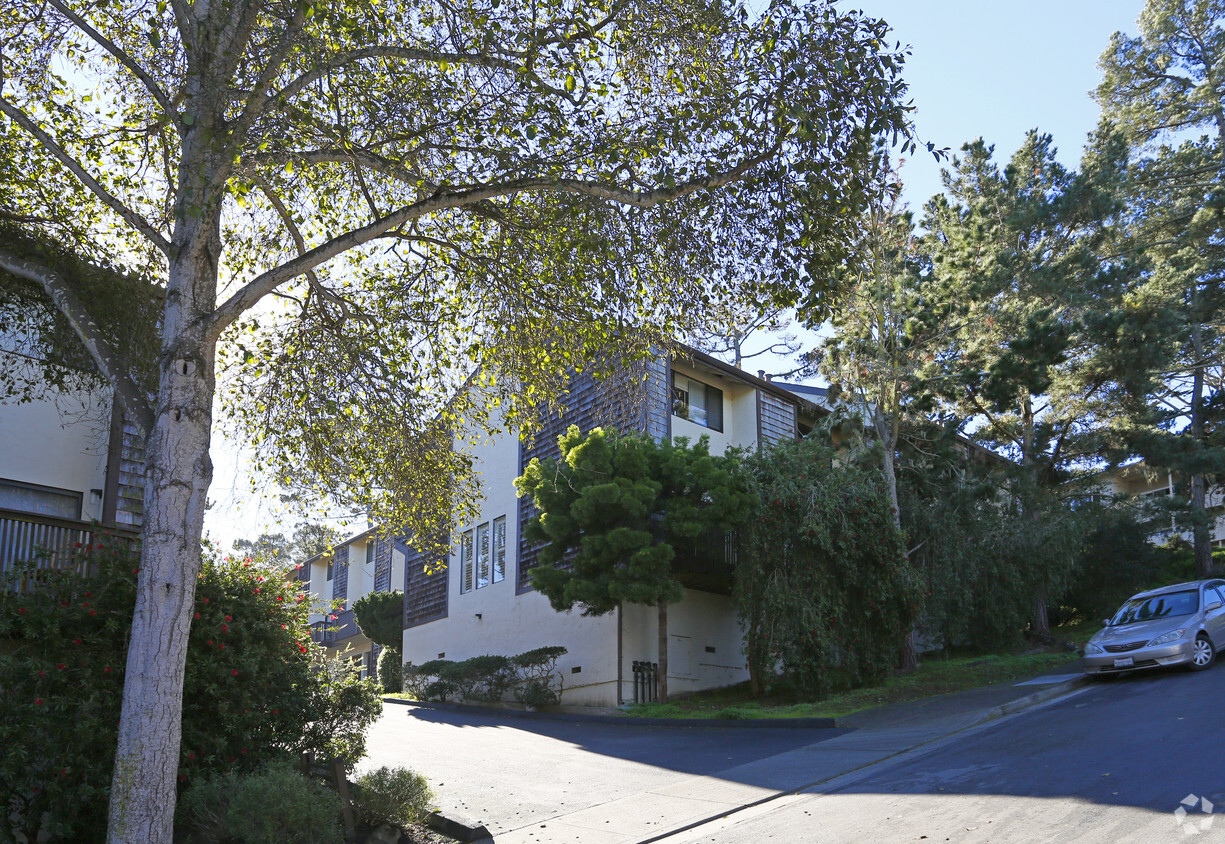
1164	89
1016	258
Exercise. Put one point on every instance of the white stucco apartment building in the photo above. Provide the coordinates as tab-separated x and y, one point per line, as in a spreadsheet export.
67	459
482	602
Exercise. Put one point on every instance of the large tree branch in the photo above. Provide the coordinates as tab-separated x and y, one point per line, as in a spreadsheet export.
109	363
48	143
265	283
120	56
416	54
259	97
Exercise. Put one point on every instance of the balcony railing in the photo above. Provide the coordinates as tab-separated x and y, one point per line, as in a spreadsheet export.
330	632
46	542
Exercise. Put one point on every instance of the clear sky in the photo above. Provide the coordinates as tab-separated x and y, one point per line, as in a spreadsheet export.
998	68
989	68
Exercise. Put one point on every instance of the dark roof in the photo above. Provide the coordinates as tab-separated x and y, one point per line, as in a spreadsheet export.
807	390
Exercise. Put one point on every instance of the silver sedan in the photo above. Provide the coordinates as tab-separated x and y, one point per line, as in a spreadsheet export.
1182	624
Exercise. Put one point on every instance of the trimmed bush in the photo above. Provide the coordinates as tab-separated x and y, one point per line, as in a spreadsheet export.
414	681
391	670
272	805
391	795
532	677
538	683
484	678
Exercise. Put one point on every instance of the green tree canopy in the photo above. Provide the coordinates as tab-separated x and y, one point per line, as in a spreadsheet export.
275	549
354	204
825	594
616	511
1163	89
380	615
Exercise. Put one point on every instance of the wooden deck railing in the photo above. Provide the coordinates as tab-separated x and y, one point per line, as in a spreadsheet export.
47	542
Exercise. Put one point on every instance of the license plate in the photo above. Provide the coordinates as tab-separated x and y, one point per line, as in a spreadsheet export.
1124	662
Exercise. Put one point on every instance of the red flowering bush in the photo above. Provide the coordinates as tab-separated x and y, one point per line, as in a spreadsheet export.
255	687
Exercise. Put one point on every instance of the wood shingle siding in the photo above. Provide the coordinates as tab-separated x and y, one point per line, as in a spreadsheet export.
776	419
636	398
425	595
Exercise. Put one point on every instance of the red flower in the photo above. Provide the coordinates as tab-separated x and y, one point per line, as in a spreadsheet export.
276	712
302	648
42	673
234	673
107	669
38	701
259	579
21	610
76	641
283	627
206	600
93	612
197	615
221	647
191	756
182	777
209	643
244	750
135	571
227	618
257	591
225	628
87	594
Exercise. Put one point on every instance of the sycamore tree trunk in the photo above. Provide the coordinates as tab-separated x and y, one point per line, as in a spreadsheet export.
663	651
178	474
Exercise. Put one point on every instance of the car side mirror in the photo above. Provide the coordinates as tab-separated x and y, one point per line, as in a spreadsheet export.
1215	605
1105	622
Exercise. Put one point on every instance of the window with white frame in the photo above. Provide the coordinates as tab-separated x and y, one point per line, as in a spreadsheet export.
466	562
499	549
700	403
482	556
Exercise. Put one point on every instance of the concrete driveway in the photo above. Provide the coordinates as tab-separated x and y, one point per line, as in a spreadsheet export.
517	774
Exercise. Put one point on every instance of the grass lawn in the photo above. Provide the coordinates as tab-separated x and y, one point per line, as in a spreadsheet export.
935	676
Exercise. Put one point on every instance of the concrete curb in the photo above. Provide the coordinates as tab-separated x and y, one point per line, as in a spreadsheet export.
1023	703
459	828
628	721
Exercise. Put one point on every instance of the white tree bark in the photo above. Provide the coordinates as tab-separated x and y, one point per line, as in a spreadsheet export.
178	474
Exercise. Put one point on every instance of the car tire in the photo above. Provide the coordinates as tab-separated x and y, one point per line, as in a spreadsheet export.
1203	654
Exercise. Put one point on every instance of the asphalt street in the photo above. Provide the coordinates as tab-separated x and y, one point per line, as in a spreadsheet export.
512	772
1111	763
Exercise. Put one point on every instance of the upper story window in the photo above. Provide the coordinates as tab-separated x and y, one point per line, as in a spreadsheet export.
467	575
700	403
482	555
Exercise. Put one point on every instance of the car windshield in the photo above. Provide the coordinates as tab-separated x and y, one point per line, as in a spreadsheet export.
1158	606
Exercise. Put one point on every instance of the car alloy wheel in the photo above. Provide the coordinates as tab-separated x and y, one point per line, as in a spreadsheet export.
1202	653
